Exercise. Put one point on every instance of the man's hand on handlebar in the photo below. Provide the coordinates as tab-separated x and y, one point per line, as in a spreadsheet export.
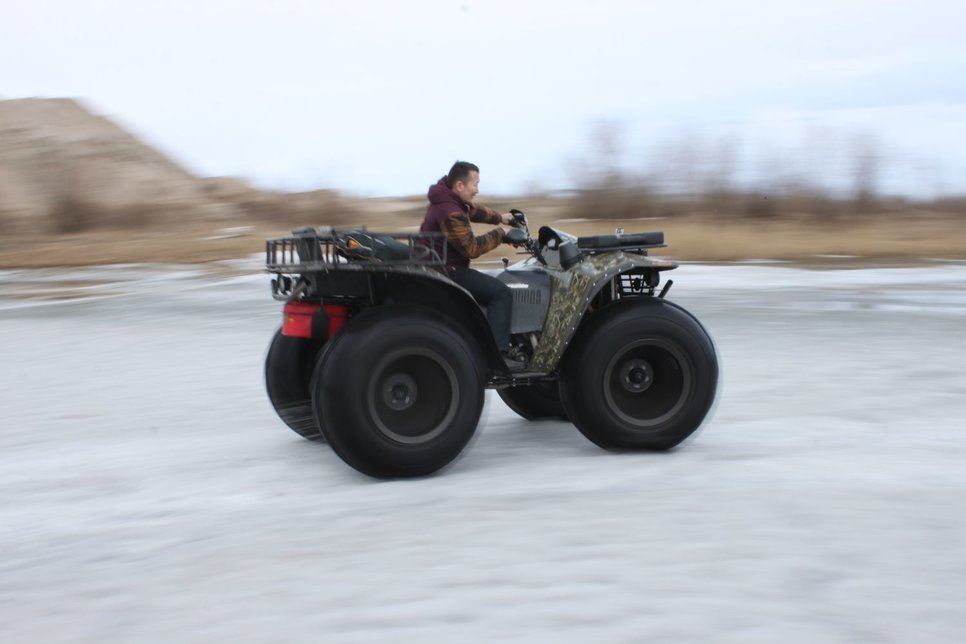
514	226
514	218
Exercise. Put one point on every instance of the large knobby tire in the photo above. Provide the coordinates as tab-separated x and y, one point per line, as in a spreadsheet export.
288	374
399	395
642	375
538	401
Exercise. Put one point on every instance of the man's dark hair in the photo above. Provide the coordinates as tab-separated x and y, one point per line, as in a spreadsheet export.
460	172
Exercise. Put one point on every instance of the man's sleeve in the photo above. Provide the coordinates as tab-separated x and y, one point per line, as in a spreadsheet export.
460	236
485	215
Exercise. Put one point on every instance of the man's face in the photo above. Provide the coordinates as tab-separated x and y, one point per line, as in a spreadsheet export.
467	190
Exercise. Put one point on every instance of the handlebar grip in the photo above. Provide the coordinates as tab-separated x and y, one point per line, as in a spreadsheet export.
515	236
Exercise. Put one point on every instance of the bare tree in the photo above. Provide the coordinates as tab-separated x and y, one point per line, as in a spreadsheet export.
866	162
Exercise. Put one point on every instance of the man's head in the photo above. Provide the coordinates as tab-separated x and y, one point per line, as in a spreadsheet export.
464	180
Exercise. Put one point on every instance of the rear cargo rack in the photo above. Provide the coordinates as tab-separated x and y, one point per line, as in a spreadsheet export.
338	264
309	250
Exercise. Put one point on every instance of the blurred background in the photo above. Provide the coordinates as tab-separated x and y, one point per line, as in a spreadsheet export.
793	130
806	160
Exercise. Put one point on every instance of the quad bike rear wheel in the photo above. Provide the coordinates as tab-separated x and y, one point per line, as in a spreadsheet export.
399	394
288	373
642	375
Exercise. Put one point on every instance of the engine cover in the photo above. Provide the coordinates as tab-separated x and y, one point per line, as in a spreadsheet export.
531	298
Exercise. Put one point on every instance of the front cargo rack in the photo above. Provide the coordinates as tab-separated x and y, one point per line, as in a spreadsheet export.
309	250
633	242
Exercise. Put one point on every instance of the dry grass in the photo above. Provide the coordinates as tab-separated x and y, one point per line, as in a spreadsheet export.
709	239
694	237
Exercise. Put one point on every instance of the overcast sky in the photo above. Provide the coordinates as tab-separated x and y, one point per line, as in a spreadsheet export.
380	97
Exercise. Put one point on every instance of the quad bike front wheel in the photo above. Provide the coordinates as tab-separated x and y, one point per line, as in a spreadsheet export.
642	375
537	401
288	372
399	395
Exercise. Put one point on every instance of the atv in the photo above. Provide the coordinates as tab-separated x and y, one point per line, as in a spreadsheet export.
387	359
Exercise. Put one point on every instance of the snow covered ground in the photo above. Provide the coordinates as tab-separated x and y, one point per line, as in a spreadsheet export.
148	493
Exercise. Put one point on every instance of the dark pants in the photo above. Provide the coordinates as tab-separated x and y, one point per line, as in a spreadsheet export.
494	295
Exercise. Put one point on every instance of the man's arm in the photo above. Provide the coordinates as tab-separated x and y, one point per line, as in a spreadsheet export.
460	236
485	215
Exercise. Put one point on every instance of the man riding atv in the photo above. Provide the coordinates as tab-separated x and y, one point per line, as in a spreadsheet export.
450	211
384	356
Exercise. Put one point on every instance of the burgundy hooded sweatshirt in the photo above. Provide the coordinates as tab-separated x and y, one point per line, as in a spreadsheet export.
447	213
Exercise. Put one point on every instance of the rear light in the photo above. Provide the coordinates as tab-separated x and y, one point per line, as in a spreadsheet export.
312	320
297	319
338	314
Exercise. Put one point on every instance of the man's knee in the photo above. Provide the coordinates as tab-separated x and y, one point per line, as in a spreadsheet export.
491	289
497	292
503	293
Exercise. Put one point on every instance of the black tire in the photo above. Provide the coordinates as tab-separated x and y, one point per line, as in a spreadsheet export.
539	401
288	375
399	395
642	375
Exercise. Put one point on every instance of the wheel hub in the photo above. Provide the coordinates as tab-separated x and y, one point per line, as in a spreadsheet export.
637	376
399	392
413	395
647	382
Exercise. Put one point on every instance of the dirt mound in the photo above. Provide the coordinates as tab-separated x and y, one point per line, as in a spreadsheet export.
59	161
64	168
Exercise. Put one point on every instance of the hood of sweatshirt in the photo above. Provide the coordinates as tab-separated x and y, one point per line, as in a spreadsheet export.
439	193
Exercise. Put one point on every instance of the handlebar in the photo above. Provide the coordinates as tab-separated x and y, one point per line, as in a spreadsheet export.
516	237
519	235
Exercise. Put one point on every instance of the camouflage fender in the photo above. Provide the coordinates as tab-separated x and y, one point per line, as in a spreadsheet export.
571	292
